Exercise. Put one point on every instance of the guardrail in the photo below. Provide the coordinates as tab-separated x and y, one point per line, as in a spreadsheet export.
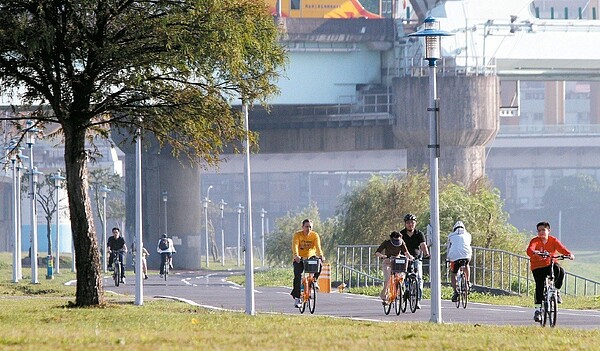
490	268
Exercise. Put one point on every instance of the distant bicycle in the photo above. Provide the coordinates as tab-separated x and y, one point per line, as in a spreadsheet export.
308	292
165	265
395	294
116	267
549	307
412	293
462	286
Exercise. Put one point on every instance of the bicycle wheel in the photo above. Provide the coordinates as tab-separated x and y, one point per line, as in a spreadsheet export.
413	293
545	306
405	295
387	307
303	297
117	272
166	269
552	310
312	297
464	292
399	304
458	284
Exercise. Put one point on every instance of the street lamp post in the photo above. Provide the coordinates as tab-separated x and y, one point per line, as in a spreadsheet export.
222	205
57	178
432	34
206	201
239	209
13	160
104	192
33	173
20	158
165	197
262	235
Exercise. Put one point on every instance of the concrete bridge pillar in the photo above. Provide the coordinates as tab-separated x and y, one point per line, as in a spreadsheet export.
469	119
162	172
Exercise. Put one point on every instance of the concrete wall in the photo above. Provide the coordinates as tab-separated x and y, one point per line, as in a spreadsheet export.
469	109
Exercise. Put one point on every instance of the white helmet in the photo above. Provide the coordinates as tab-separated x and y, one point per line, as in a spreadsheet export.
458	224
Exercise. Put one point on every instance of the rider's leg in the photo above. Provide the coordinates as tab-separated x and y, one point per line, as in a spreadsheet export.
467	274
539	275
122	259
386	267
559	276
163	257
298	269
420	277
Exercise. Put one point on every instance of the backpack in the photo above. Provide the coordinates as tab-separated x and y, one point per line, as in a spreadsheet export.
163	244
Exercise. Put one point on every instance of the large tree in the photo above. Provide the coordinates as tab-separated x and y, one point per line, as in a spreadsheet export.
168	67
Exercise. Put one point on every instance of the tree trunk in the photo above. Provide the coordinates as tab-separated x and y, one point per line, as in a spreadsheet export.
90	291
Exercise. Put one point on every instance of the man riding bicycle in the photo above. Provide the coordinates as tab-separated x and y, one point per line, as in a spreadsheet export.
116	244
540	266
305	244
459	252
390	248
416	245
166	249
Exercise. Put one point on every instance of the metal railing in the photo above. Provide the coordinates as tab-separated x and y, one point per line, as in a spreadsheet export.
357	265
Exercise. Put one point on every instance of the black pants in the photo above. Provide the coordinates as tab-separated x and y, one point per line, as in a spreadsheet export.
121	259
540	275
298	269
164	256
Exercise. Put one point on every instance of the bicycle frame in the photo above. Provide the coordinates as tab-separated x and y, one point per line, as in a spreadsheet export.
549	308
308	295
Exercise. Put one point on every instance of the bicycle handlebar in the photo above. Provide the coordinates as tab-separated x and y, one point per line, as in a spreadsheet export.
547	254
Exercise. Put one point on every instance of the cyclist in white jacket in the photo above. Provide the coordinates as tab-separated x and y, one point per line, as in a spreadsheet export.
166	248
459	251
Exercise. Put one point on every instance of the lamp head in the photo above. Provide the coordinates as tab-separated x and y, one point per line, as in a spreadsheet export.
432	33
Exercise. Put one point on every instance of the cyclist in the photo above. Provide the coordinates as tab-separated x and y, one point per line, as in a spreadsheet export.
145	254
459	252
306	243
540	266
416	245
390	248
116	243
166	249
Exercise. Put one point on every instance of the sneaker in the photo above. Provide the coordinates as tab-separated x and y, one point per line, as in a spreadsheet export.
298	303
316	285
558	298
123	280
537	315
418	305
145	276
170	265
110	268
161	275
455	297
385	303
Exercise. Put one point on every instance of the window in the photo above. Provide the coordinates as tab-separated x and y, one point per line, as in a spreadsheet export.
295	4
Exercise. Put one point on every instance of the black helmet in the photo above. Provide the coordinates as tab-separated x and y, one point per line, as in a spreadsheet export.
410	217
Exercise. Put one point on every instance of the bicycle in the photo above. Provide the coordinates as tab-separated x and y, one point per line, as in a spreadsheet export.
308	292
165	264
116	267
462	286
549	308
395	295
412	294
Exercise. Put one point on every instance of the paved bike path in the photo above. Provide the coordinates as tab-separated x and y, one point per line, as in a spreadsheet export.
210	289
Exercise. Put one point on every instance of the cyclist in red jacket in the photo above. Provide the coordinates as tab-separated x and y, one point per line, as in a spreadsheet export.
540	266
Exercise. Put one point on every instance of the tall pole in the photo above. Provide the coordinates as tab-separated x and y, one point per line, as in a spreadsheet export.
222	205
206	201
432	35
139	276
32	174
57	179
15	194
104	192
239	212
250	307
165	196
19	217
262	236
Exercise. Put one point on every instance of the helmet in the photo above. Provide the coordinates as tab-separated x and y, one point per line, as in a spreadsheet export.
410	217
458	224
164	235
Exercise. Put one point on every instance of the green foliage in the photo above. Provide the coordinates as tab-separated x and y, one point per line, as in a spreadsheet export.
578	190
168	69
371	211
279	242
